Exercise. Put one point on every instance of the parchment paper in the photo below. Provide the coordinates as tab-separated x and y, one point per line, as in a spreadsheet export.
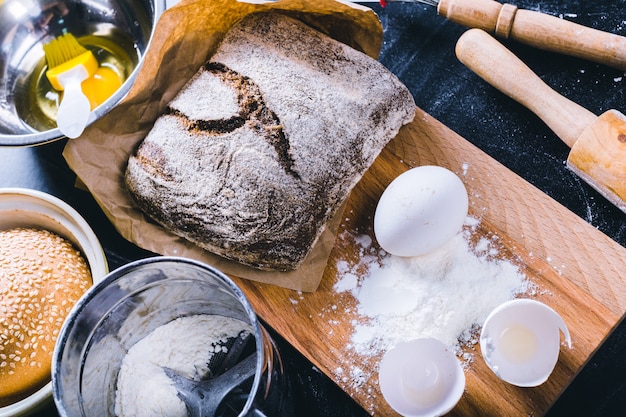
185	37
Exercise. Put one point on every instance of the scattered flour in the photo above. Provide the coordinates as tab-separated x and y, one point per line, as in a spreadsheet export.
185	345
446	294
465	168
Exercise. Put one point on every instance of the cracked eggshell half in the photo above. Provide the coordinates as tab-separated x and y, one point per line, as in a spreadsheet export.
421	378
520	341
420	211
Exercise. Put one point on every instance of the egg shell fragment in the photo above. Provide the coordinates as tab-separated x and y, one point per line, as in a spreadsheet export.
420	211
421	378
527	359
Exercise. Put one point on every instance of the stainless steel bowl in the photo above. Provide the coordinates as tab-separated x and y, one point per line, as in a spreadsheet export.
116	28
128	305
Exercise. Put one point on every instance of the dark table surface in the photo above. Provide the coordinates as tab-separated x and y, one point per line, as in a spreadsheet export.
419	49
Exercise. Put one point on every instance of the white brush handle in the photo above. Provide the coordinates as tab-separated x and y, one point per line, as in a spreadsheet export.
74	110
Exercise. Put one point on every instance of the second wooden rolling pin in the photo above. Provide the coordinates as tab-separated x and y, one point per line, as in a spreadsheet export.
598	153
533	28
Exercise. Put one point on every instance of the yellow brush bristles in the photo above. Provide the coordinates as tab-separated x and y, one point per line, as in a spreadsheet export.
65	53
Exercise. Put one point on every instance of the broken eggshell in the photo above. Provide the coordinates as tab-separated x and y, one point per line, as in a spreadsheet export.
520	341
421	378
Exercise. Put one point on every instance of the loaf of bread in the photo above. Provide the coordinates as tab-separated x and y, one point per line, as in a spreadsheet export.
263	145
41	277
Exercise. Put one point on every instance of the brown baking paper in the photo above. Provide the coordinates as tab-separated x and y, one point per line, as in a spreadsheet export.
185	37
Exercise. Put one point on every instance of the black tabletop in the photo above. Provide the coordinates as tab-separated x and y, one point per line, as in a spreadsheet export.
419	49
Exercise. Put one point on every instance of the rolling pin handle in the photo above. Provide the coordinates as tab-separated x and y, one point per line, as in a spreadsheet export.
504	23
537	29
493	62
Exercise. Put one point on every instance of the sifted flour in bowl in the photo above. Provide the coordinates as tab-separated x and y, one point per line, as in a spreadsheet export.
185	345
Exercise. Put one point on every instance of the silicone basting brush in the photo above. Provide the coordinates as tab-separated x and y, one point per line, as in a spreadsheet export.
69	65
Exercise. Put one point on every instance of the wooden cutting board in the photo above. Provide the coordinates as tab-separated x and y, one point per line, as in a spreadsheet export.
579	271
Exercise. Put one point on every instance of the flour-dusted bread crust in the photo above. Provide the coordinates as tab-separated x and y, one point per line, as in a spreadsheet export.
263	145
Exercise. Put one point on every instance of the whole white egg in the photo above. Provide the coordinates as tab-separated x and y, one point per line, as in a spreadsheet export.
420	211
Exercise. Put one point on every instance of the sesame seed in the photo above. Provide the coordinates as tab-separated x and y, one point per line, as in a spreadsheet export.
41	277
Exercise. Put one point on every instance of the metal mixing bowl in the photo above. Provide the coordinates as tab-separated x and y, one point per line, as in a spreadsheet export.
128	305
116	28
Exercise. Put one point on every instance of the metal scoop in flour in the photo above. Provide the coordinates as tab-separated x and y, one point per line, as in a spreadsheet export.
203	397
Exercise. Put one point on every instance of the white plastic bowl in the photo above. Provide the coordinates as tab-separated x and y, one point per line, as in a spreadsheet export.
20	207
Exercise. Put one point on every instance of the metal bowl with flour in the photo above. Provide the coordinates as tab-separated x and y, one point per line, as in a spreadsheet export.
118	32
156	313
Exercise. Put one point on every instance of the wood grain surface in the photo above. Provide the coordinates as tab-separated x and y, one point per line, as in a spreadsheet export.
576	267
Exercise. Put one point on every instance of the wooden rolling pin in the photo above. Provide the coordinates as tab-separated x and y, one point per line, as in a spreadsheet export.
598	153
536	29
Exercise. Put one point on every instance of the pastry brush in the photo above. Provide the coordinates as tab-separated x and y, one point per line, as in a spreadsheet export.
69	64
536	29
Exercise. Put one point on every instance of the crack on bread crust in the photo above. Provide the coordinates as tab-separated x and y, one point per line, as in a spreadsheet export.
208	127
253	112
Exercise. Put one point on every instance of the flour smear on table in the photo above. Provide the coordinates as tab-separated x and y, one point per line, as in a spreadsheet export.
185	345
446	294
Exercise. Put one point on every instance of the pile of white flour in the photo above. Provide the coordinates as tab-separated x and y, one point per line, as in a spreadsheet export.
445	294
185	345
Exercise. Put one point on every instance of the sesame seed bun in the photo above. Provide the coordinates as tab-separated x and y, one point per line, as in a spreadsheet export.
42	276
